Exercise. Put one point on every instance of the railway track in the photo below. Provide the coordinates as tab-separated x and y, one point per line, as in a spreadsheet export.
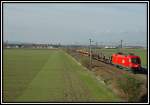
111	75
108	60
143	70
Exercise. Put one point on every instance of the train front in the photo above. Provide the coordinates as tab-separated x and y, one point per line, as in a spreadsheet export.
135	62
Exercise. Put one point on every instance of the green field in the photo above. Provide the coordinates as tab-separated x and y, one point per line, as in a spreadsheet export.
140	52
49	76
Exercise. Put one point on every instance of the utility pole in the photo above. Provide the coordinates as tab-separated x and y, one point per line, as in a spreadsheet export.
90	54
96	46
121	44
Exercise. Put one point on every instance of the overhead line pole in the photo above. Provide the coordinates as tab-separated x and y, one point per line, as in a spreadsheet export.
121	43
90	54
96	46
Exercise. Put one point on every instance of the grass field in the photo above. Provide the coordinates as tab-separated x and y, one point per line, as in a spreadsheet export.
140	52
49	76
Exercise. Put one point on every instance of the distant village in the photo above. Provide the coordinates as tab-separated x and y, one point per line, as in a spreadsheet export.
31	45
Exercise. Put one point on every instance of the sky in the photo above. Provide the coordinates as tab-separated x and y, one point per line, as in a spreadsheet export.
75	23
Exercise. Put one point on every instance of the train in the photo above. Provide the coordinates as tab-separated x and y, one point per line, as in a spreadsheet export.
119	59
130	61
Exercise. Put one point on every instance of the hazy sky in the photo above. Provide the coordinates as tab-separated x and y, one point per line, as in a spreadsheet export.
70	23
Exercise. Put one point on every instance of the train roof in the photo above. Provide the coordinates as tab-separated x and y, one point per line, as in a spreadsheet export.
126	54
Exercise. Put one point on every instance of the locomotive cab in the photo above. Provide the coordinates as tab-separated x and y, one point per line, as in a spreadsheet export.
135	62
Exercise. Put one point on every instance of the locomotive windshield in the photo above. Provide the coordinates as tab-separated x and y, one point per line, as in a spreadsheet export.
135	60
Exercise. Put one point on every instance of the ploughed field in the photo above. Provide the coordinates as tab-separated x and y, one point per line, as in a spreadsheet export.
36	75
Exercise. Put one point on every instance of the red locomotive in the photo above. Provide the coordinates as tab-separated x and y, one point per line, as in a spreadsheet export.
129	61
119	59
